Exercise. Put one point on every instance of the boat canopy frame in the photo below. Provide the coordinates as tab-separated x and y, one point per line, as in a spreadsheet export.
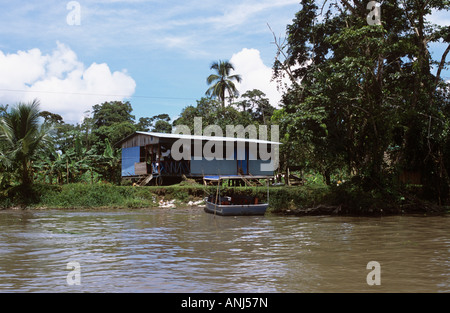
219	178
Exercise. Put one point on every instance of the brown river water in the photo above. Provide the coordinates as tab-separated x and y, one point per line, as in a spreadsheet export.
181	250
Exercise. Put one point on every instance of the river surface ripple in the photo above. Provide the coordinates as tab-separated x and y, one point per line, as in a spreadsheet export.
188	250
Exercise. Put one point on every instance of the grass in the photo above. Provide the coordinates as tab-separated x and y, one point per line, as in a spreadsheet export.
80	195
350	198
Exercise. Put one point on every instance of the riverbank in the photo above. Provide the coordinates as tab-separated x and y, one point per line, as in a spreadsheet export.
286	200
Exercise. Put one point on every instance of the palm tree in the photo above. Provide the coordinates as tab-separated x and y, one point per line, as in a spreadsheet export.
223	81
23	138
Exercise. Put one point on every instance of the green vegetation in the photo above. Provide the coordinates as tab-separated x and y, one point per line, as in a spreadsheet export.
79	196
23	138
366	100
222	81
309	199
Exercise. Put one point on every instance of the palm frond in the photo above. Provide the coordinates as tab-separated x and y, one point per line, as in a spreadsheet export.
211	78
237	78
23	136
222	80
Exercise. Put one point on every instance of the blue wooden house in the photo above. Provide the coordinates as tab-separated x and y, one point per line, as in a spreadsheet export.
149	157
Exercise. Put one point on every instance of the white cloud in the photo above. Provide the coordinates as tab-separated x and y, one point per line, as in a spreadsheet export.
62	83
255	75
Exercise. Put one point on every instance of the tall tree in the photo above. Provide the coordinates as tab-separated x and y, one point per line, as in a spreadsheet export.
23	137
212	113
158	123
112	121
109	113
365	96
222	81
256	102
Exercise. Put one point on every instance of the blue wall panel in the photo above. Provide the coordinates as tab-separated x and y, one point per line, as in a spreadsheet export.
213	167
129	157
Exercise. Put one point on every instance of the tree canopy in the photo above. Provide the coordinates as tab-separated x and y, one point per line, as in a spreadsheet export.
365	97
23	138
222	81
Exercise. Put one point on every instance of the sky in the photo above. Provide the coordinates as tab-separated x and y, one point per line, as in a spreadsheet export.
156	54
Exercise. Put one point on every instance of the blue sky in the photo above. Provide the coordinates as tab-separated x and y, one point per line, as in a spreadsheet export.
156	54
165	47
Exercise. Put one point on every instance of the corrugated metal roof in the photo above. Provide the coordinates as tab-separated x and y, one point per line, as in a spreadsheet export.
206	138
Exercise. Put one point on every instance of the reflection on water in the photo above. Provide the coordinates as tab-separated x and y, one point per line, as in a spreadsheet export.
191	251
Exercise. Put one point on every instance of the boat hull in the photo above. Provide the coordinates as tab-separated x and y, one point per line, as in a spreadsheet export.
236	209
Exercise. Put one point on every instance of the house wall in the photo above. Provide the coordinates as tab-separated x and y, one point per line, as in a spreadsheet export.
254	168
228	167
213	167
129	157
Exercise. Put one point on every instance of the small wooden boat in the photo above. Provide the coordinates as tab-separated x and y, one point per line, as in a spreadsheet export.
233	205
229	206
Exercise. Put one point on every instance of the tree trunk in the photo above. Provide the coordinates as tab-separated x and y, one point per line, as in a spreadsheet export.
327	175
26	180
